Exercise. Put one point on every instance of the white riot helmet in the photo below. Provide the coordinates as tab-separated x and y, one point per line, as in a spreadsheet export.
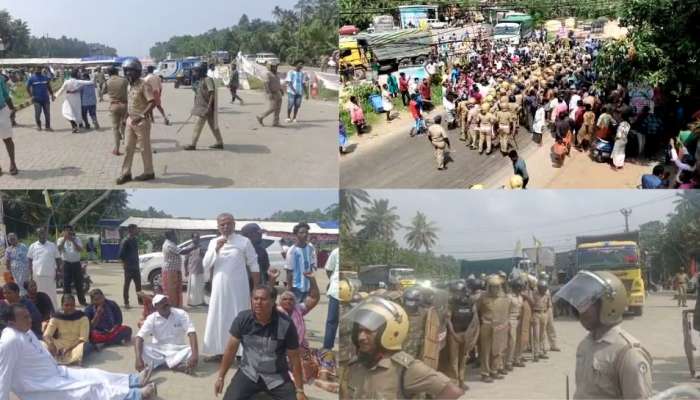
587	287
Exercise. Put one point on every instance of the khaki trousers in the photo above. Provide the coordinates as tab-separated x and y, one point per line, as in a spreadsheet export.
513	352
210	120
118	113
275	106
682	294
551	333
539	323
140	134
491	362
485	136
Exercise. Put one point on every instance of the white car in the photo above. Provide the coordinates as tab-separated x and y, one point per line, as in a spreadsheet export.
265	58
435	24
151	264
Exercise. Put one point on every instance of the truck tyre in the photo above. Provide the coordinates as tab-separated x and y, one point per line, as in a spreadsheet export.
637	311
360	74
420	60
404	62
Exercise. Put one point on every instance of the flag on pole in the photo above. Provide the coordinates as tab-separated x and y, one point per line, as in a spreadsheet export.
537	242
518	249
47	198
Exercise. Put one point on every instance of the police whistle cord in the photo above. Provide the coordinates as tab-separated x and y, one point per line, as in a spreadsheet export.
183	125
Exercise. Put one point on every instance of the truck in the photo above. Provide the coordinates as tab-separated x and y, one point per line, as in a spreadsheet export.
488	267
513	28
392	50
177	70
382	23
619	254
391	275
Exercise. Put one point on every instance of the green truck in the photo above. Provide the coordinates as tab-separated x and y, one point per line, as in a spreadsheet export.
398	49
513	28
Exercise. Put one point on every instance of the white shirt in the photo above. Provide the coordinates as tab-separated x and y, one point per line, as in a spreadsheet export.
430	68
171	330
69	253
333	267
43	258
573	105
237	250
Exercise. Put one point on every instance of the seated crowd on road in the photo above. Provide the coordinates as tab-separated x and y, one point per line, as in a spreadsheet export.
549	87
42	342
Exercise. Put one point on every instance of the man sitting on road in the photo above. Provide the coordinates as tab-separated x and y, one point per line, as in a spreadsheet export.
106	321
11	293
29	371
169	326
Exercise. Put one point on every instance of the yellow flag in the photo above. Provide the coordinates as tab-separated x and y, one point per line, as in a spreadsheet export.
47	198
537	242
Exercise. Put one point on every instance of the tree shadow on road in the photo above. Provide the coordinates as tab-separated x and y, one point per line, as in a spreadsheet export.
37	174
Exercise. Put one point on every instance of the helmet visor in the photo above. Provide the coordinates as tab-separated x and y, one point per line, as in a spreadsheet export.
367	314
582	291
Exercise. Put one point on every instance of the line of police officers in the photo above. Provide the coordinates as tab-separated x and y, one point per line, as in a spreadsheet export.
416	344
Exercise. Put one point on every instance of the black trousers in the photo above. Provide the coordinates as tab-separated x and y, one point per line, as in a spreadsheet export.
242	388
131	274
73	276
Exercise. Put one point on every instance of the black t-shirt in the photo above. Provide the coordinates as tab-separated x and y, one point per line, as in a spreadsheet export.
265	339
129	253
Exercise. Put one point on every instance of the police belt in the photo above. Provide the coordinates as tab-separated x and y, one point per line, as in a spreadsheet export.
539	311
117	102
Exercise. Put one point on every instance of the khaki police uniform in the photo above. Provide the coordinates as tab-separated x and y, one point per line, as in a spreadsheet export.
437	138
118	91
472	128
463	341
615	366
100	80
515	312
485	122
541	305
398	376
682	288
273	88
551	332
204	89
504	118
493	312
524	328
140	95
462	111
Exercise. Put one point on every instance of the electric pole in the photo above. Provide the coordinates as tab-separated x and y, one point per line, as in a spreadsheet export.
626	212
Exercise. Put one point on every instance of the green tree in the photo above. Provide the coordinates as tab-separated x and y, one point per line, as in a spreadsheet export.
350	203
378	221
422	233
661	48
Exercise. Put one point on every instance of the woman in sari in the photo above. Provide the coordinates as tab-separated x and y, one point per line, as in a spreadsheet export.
605	124
172	270
41	300
72	107
67	334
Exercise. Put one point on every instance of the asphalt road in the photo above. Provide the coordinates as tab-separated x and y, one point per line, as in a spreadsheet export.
172	385
294	155
400	161
659	331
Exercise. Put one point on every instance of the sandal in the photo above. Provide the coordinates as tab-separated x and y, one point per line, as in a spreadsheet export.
14	171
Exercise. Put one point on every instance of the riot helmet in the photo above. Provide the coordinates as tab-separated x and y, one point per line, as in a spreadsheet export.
586	288
412	300
386	318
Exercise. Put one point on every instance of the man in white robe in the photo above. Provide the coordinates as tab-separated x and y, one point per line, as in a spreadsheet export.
168	326
231	260
44	259
72	110
29	371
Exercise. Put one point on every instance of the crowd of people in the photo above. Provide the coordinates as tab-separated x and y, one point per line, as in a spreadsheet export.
249	304
416	342
548	87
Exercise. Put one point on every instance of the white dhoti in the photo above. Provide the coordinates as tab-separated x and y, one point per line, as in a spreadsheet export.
72	110
5	123
171	355
195	289
47	284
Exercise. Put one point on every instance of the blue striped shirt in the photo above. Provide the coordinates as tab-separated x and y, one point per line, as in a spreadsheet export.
300	260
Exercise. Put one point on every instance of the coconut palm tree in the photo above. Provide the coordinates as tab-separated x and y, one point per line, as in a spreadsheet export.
350	200
379	221
422	233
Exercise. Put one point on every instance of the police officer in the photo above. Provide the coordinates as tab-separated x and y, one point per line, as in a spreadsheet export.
412	304
463	331
205	106
138	127
347	295
610	363
492	309
381	370
681	287
438	138
471	119
485	121
118	92
514	351
100	82
542	302
505	119
274	91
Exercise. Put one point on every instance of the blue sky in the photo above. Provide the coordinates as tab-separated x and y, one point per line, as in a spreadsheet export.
133	26
208	203
486	224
